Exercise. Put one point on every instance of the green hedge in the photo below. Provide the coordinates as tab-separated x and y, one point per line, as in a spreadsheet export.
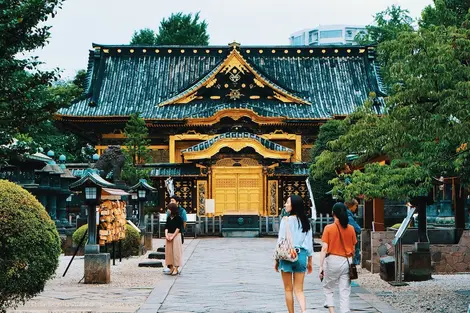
130	245
29	245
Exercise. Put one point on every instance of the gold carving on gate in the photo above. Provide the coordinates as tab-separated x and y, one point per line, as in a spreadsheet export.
249	182
248	162
201	197
272	197
244	162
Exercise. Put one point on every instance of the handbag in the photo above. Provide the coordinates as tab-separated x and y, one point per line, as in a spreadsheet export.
284	248
352	267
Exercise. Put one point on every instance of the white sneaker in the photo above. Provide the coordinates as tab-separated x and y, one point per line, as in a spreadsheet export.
166	271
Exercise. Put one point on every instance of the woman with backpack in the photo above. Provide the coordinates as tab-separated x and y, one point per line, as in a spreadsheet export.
297	227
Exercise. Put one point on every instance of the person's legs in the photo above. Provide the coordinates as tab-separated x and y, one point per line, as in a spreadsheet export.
169	255
330	281
287	280
177	252
344	289
299	290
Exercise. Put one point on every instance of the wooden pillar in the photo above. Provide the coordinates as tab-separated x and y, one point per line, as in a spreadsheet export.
460	203
298	148
368	214
172	147
420	204
379	223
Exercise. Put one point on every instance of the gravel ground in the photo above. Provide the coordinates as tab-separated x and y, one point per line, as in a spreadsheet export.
129	288
444	293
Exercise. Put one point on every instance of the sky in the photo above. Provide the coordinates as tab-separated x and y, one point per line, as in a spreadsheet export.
250	22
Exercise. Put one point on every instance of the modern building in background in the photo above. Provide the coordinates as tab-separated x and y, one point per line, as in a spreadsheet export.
326	35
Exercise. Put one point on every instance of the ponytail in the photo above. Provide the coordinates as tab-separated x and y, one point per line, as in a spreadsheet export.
339	210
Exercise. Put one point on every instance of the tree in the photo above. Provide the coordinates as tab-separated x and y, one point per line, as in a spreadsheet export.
29	245
182	29
136	151
427	126
80	80
47	135
387	25
330	131
25	99
445	13
144	36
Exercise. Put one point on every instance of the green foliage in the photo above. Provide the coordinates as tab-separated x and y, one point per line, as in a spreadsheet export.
136	150
427	126
387	25
80	80
29	245
331	130
48	136
182	29
130	244
78	235
144	36
445	13
25	99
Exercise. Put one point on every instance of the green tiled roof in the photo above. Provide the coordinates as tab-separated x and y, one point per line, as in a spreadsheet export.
93	176
208	143
292	169
173	169
335	80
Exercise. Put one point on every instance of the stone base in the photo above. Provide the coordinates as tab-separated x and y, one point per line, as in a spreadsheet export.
236	233
97	268
148	241
151	264
387	268
157	255
417	265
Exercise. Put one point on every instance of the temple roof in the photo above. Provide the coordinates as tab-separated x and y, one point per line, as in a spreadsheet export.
233	135
183	82
292	169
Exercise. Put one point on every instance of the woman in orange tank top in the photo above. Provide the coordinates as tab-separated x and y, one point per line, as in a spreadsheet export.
334	257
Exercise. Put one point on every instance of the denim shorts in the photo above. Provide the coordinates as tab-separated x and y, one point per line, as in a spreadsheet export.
299	266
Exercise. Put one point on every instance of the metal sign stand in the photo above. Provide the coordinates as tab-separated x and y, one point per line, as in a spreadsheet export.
399	250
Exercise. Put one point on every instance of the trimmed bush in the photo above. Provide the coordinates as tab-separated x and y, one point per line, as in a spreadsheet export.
130	245
29	245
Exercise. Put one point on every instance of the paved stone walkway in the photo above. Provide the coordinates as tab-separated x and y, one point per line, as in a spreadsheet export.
236	275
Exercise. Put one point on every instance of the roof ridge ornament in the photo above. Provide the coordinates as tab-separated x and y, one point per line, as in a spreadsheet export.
234	45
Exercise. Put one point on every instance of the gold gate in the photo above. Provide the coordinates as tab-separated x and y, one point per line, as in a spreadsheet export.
238	190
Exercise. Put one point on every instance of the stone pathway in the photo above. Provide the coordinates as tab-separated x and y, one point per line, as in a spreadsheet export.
236	275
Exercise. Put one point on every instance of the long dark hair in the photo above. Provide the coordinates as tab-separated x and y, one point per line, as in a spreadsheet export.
298	209
339	210
173	208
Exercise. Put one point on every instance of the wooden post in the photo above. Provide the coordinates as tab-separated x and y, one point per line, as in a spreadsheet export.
460	202
420	203
368	214
378	207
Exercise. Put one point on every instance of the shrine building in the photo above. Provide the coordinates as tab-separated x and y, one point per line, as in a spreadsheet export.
231	123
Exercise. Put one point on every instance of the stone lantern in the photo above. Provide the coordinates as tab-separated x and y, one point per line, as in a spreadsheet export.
97	265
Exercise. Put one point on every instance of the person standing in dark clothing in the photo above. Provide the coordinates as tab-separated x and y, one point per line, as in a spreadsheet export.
174	246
